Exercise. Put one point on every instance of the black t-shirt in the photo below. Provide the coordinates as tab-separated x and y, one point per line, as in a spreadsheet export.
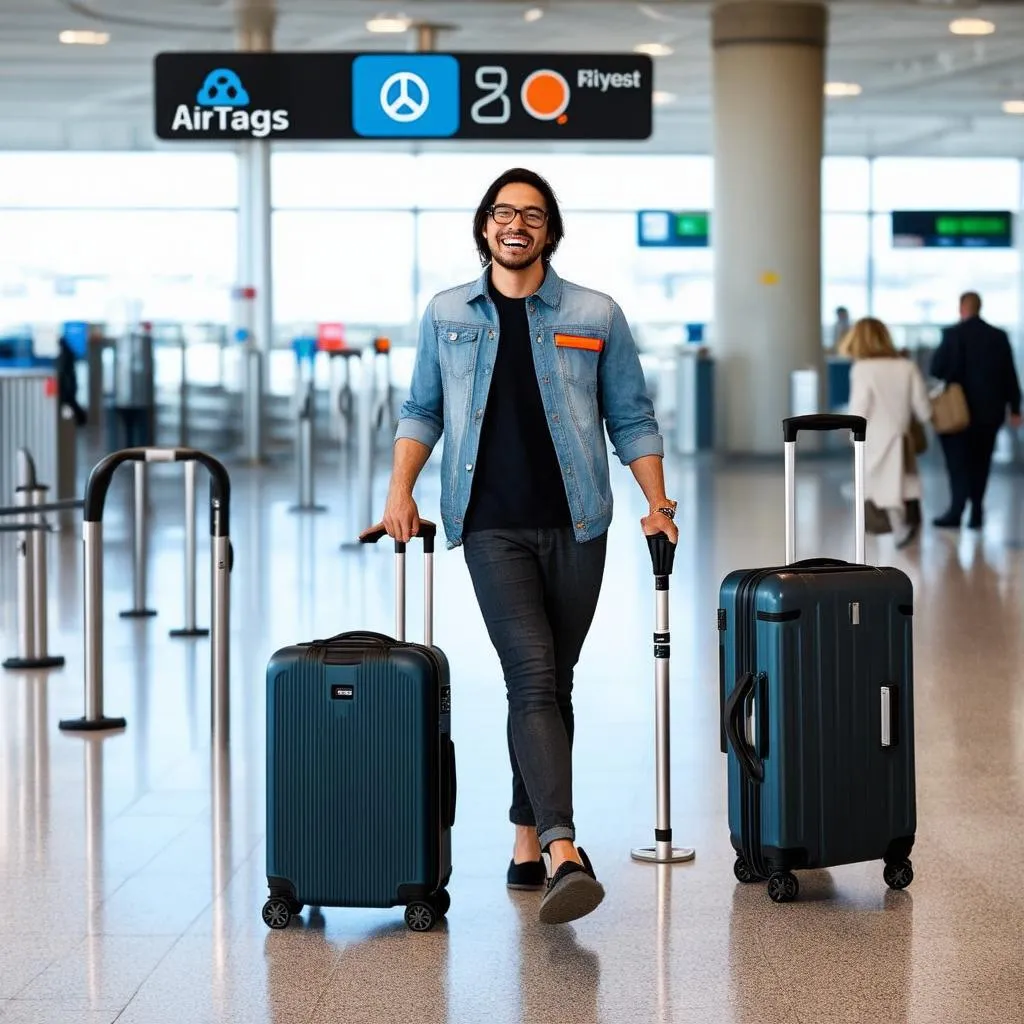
517	481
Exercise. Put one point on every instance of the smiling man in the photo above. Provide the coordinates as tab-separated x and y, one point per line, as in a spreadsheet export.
522	371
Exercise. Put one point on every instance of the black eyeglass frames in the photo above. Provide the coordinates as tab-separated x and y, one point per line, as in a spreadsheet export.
533	216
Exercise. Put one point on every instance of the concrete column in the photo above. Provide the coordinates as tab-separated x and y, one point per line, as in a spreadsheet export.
255	22
769	76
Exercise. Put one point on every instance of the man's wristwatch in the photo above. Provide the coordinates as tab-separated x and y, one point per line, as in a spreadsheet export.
667	511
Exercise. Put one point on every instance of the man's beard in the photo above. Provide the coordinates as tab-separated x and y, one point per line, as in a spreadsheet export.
514	259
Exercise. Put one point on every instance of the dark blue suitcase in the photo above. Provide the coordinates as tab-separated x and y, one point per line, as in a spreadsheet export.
361	769
817	709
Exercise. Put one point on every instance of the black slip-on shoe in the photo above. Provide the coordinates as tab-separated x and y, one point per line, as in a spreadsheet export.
528	876
573	892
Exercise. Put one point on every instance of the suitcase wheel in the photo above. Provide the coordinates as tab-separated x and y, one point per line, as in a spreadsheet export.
277	912
899	874
783	887
422	915
743	871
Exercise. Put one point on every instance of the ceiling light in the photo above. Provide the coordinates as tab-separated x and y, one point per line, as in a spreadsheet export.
389	23
660	98
1013	107
838	89
653	49
84	38
971	27
534	14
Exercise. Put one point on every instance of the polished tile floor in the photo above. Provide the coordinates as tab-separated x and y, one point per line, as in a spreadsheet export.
132	867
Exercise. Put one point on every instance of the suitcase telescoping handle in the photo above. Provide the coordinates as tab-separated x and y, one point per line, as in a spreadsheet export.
427	533
857	425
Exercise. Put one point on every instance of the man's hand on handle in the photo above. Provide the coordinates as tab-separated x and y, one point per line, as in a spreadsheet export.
658	522
401	516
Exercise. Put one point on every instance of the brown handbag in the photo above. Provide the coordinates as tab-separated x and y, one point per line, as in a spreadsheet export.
917	437
949	411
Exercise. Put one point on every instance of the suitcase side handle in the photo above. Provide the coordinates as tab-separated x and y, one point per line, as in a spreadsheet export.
750	763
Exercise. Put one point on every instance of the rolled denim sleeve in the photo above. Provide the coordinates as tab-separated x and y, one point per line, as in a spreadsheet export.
421	417
628	411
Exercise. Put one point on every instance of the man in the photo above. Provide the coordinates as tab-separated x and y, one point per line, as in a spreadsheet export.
520	368
977	356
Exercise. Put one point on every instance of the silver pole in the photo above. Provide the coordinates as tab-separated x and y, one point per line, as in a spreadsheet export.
220	640
94	719
790	464
139	549
26	583
858	501
428	598
663	852
37	544
364	485
254	406
400	594
305	452
190	627
92	534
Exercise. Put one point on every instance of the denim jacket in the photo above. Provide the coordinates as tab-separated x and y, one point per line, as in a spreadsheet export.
588	370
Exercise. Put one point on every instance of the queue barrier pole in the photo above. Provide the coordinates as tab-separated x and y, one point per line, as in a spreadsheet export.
94	719
190	628
663	852
33	598
140	549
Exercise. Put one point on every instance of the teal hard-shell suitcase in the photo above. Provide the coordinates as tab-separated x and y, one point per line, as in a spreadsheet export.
817	711
361	771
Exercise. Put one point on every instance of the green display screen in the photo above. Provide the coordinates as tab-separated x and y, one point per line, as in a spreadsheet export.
984	229
689	229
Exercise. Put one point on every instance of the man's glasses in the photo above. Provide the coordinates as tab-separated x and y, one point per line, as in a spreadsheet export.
533	216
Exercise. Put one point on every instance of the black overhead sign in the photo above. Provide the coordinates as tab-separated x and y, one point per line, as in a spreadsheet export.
952	229
330	96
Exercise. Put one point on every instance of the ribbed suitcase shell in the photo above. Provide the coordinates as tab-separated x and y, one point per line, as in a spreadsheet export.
360	772
821	638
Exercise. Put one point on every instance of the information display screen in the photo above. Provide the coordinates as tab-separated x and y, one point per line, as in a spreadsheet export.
670	229
956	229
325	96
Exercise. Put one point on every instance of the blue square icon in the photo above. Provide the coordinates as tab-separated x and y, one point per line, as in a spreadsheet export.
414	96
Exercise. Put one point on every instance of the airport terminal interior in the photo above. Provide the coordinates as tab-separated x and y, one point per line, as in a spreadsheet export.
209	328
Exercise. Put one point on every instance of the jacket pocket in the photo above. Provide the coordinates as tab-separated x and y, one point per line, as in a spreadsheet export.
457	348
579	353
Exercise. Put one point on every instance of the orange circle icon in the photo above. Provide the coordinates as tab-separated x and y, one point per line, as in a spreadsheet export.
545	95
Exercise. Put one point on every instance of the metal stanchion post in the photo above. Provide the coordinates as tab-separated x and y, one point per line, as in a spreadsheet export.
364	445
253	405
140	546
190	628
305	354
221	559
663	852
32	573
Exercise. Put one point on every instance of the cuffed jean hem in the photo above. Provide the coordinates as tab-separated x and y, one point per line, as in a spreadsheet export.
549	835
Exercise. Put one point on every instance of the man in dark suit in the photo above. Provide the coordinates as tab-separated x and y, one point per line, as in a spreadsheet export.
977	356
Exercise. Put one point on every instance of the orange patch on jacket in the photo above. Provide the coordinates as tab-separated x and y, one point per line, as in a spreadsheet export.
578	341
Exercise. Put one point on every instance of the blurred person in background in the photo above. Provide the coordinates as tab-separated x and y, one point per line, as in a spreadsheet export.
889	392
978	357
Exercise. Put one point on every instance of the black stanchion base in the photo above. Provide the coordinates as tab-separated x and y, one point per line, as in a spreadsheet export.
91	725
189	632
308	508
138	613
51	661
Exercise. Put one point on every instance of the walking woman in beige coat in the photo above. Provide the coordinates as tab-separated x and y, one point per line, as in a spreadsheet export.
889	392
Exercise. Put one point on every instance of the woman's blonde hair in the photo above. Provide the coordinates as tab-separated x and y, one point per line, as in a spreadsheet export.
868	339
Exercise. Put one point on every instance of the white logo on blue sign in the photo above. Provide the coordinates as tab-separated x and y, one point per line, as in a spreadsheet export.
415	95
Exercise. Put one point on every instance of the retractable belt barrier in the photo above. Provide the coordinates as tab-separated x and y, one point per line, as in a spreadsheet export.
96	490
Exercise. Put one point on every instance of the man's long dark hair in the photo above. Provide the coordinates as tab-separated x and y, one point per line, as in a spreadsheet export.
519	176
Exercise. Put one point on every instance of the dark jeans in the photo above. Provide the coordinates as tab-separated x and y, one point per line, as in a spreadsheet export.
968	461
538	590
